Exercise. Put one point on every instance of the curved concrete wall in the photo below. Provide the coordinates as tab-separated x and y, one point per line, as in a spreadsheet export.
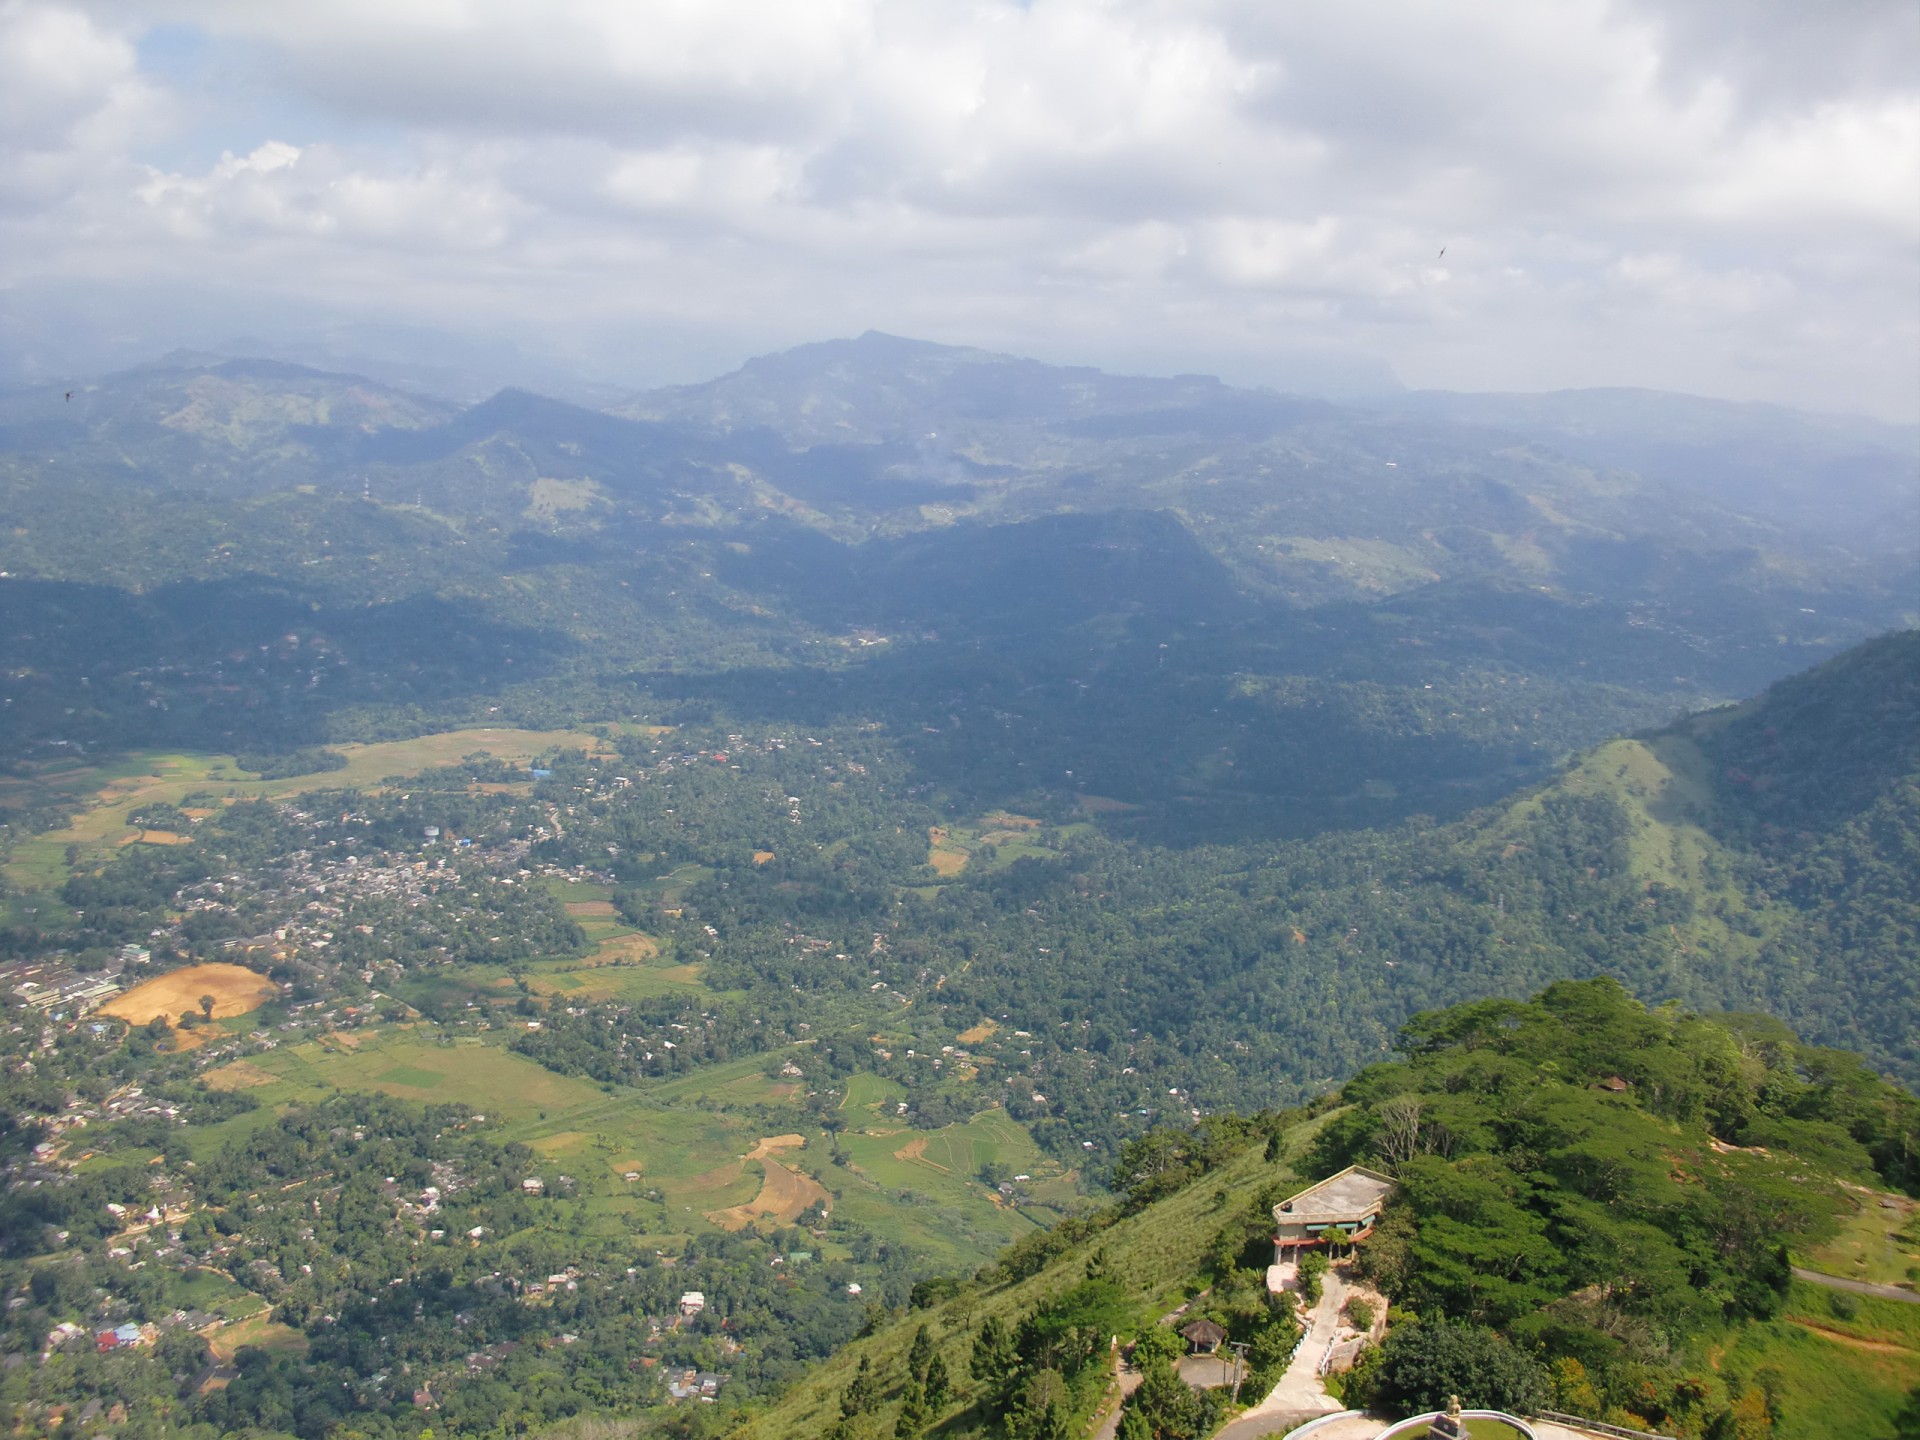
1416	1427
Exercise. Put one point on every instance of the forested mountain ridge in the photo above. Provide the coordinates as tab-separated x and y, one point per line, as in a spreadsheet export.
1780	839
1194	598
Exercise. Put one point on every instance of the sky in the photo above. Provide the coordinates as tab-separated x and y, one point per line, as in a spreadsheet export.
1713	197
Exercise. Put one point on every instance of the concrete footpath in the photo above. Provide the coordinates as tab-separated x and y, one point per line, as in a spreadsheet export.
1300	1395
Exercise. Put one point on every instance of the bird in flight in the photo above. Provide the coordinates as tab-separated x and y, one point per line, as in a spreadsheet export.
1443	252
69	394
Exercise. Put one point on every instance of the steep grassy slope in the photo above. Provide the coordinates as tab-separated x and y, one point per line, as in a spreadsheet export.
1159	1254
1626	1247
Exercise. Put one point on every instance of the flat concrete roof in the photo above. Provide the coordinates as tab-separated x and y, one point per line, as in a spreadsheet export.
1352	1195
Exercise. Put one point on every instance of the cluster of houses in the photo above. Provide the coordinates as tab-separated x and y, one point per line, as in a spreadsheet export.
695	1385
57	990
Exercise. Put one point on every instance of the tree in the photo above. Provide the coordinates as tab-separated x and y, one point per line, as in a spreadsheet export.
927	1385
938	1382
994	1360
1040	1409
915	1411
1066	1332
920	1354
861	1392
1313	1269
206	1006
1423	1363
1906	1425
1165	1407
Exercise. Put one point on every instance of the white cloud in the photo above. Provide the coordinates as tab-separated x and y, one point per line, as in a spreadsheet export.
1109	180
71	100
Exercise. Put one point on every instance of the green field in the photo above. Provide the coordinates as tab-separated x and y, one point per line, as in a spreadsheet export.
988	843
1879	1242
214	1291
597	1133
1836	1367
874	1095
735	1083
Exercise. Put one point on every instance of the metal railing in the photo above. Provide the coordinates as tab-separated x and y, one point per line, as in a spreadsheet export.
1599	1427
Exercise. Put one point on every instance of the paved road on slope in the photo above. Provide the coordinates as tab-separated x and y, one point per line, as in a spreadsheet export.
1858	1287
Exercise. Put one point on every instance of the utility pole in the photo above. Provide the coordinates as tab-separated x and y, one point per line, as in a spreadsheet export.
1239	1348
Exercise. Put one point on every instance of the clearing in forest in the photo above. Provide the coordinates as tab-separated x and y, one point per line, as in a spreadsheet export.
237	1075
946	855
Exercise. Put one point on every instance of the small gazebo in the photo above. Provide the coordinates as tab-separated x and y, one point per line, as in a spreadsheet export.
1204	1336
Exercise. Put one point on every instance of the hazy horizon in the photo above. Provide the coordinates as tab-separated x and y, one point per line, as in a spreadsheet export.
1340	200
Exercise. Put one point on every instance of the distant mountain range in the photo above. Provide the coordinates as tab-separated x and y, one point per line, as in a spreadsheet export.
876	511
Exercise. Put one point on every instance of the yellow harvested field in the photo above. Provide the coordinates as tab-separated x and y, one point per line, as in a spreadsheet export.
774	1144
583	908
946	857
157	837
983	1031
761	857
629	948
784	1193
235	990
237	1075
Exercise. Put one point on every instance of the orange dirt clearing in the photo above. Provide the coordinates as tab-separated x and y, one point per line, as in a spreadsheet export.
1883	1347
761	857
916	1149
983	1031
774	1144
235	990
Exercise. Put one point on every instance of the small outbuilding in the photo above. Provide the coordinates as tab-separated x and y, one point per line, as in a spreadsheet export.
1204	1336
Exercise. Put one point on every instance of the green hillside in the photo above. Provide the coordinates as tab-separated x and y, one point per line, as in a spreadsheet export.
1779	838
1620	1253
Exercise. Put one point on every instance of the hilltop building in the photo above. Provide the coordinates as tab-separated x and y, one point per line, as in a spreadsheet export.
1343	1207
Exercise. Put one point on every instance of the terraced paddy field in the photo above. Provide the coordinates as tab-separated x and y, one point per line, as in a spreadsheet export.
706	1150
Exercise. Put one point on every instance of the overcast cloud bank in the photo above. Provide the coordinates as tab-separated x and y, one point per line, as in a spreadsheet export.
1722	199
